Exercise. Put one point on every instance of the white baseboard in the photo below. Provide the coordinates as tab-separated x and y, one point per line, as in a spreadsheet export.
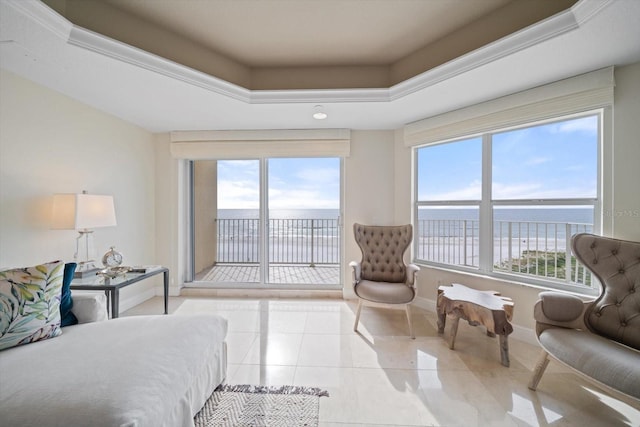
519	333
136	298
425	304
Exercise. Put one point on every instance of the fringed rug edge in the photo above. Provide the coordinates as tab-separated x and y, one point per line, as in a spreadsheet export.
263	389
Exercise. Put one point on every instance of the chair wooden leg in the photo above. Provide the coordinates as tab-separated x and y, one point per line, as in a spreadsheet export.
541	365
355	325
408	310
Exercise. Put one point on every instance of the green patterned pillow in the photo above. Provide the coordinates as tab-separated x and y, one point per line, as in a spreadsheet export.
30	304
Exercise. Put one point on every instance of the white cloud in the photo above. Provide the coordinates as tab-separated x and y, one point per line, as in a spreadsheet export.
537	161
585	124
471	192
297	198
319	176
525	190
238	195
532	190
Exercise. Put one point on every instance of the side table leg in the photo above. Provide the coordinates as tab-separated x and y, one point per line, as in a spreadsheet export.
504	350
454	331
108	294
115	303
166	292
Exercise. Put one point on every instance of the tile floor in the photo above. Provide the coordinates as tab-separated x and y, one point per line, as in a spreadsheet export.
380	377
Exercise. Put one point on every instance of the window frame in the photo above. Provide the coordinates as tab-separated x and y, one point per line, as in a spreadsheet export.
486	205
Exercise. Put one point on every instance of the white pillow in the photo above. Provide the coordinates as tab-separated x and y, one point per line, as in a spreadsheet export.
89	306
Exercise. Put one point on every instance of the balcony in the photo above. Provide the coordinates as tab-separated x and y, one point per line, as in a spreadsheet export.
307	251
300	251
524	248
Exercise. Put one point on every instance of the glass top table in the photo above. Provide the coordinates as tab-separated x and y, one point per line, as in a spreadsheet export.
112	286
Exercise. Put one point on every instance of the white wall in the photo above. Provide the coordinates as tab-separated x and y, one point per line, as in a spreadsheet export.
50	144
626	154
369	190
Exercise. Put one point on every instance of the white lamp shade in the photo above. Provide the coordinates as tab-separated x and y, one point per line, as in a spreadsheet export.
82	211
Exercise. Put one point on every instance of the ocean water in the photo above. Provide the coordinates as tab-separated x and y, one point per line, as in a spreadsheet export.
279	213
579	215
440	233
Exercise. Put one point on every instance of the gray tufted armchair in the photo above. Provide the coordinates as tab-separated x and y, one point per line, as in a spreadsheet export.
382	277
600	339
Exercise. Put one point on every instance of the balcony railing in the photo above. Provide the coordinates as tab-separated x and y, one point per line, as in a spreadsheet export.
538	249
291	241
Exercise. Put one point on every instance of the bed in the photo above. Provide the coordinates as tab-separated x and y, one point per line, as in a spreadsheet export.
131	371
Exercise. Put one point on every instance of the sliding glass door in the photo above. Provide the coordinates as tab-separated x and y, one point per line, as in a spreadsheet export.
226	225
267	222
303	221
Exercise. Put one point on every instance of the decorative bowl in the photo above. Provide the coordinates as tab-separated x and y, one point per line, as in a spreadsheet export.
114	272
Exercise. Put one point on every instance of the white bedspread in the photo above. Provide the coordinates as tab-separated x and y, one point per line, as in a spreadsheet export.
133	371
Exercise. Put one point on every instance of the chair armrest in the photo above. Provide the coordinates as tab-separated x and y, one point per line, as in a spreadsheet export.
559	309
412	272
89	306
357	269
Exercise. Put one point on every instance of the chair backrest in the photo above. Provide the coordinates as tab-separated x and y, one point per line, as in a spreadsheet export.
382	249
615	314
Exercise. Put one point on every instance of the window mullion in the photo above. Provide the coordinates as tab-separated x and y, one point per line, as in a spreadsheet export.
486	223
264	221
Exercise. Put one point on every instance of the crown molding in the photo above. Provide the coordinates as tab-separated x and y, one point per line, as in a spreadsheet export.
319	96
552	27
103	45
44	16
520	40
584	10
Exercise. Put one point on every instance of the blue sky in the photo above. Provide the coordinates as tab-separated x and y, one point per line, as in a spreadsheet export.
301	183
557	160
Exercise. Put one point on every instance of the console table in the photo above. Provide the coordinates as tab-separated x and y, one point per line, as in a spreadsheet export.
486	308
111	287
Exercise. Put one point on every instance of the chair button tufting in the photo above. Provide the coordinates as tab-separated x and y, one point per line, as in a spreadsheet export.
614	251
621	271
623	323
632	290
618	304
595	261
598	314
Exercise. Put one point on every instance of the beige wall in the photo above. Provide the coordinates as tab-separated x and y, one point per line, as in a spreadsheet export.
369	190
626	154
205	175
53	144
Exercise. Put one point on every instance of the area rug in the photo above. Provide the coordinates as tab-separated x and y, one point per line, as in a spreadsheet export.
249	405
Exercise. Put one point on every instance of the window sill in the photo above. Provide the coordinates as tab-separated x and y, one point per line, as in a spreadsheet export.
512	280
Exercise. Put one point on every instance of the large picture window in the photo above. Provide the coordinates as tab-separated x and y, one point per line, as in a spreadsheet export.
507	202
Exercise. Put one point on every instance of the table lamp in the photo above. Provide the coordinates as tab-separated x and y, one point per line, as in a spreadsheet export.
83	212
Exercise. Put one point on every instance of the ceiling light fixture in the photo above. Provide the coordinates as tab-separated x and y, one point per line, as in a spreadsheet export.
318	113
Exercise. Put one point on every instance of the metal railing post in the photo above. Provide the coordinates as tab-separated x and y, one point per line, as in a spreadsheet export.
312	243
464	240
567	257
